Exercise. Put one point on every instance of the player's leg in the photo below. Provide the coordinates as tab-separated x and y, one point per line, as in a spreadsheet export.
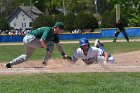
101	59
48	53
32	41
116	35
29	51
97	43
21	58
28	41
125	35
100	45
111	59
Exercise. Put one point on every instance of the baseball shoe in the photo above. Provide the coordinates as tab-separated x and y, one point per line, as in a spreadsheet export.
104	62
114	40
8	65
44	63
98	43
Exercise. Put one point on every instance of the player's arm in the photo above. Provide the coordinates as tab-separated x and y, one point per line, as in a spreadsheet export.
44	38
43	43
75	56
58	45
74	59
60	49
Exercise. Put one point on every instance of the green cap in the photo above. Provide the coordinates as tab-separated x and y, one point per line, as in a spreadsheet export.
59	24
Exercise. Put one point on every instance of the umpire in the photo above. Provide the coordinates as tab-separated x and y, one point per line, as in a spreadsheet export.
120	28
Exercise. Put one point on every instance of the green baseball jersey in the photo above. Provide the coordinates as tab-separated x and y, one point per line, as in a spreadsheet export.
45	33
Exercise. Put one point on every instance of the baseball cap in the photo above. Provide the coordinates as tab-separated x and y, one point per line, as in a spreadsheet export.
59	24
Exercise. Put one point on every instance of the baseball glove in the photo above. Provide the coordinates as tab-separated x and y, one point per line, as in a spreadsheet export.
67	57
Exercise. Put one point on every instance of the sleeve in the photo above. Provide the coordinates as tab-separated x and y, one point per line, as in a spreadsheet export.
100	51
76	54
45	35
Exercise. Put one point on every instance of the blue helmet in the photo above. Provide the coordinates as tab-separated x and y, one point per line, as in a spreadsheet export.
83	41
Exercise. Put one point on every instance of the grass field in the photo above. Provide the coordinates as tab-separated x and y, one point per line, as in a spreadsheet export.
69	82
8	52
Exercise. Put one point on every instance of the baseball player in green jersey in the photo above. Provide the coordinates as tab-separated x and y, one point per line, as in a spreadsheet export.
44	37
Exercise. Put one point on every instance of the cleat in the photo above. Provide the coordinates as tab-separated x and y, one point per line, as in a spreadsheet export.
98	43
104	62
44	63
8	65
114	40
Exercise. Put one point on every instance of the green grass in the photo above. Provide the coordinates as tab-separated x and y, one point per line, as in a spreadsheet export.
71	83
8	52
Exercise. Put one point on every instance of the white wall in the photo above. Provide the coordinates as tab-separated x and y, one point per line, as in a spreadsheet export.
20	21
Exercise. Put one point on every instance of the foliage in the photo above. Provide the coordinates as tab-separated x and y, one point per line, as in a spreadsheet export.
47	20
111	18
69	20
59	17
43	21
103	6
85	21
108	19
130	10
104	19
134	21
7	7
41	5
3	24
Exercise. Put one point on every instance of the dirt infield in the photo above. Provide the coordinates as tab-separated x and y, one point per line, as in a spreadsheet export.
125	62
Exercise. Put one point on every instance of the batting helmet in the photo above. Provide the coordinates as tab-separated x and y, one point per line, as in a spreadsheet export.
83	42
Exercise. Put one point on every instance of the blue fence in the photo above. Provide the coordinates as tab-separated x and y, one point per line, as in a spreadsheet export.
11	38
78	36
108	33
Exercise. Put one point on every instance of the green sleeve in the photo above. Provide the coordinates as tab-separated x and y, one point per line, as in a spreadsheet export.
47	35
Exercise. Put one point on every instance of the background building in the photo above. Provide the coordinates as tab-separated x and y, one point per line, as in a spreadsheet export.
22	18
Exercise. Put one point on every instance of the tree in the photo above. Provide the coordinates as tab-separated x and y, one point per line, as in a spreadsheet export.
130	10
3	24
85	21
69	21
108	19
5	7
43	21
105	19
103	5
